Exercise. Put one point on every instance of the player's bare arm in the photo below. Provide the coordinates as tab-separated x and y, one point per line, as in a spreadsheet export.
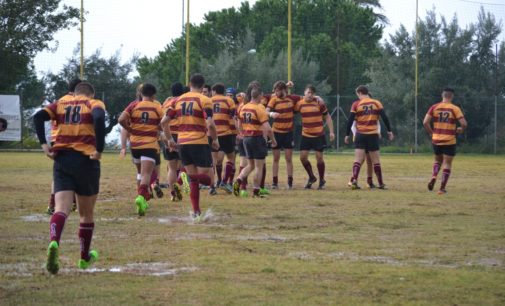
267	130
40	117
124	121
329	123
462	125
427	124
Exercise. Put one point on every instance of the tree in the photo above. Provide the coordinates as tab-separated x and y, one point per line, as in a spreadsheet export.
109	76
27	27
448	56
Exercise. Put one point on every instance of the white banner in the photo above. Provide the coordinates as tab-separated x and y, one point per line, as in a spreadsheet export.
10	115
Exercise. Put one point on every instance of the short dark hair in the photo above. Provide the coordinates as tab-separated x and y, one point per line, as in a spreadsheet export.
311	87
148	90
219	88
207	86
72	84
85	88
177	89
362	89
448	92
280	85
3	124
186	89
197	80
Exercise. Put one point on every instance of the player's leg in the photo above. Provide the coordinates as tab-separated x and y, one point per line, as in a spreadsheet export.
276	153
173	169
230	165
219	158
147	165
199	172
155	178
359	157
375	157
320	168
258	175
86	227
369	171
437	164
50	207
448	157
304	159
288	154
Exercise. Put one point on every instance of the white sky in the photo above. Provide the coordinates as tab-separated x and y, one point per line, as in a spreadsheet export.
146	27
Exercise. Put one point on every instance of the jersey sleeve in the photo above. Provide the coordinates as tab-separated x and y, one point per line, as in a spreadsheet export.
354	107
262	115
130	107
458	114
323	109
51	109
271	103
294	98
97	104
431	110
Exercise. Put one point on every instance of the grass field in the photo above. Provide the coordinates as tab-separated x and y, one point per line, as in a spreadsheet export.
401	246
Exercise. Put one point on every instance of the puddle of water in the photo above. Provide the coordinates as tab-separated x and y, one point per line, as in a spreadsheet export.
35	218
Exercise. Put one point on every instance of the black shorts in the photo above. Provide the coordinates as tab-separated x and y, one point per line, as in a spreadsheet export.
196	154
171	155
367	142
284	140
227	143
240	147
255	147
74	171
313	143
445	150
153	154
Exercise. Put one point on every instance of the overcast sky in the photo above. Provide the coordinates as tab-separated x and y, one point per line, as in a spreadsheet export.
146	27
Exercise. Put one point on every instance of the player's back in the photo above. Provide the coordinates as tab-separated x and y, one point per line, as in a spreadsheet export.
223	109
75	123
367	112
168	105
312	117
190	109
445	116
252	117
145	118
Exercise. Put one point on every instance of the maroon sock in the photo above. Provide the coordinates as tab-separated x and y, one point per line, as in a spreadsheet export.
369	180
232	173
194	194
242	183
320	170
154	175
56	225
219	172
436	169
355	170
143	190
275	180
256	191
263	176
445	177
227	172
201	178
378	172
308	167
85	236
290	181
51	201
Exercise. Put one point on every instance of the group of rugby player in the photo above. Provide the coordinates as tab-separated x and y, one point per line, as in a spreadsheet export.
198	130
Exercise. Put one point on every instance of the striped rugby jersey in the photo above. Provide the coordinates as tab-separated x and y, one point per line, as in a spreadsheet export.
223	110
145	118
252	116
445	116
190	109
285	107
54	124
76	130
367	112
312	113
167	106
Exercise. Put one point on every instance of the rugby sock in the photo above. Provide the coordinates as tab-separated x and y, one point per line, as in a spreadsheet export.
290	180
256	191
308	167
143	190
179	179
194	194
436	169
242	183
355	170
369	180
201	178
320	169
85	235
51	201
275	180
378	172
219	172
56	225
445	177
227	172
154	176
232	173
263	176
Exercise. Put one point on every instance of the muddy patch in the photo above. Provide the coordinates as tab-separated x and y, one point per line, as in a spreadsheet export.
150	269
35	218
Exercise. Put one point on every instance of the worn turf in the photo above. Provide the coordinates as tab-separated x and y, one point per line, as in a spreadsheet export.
402	246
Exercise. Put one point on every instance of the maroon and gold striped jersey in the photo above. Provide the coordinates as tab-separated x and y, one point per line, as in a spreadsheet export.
223	112
190	109
75	124
145	118
312	113
445	116
252	116
367	112
285	107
